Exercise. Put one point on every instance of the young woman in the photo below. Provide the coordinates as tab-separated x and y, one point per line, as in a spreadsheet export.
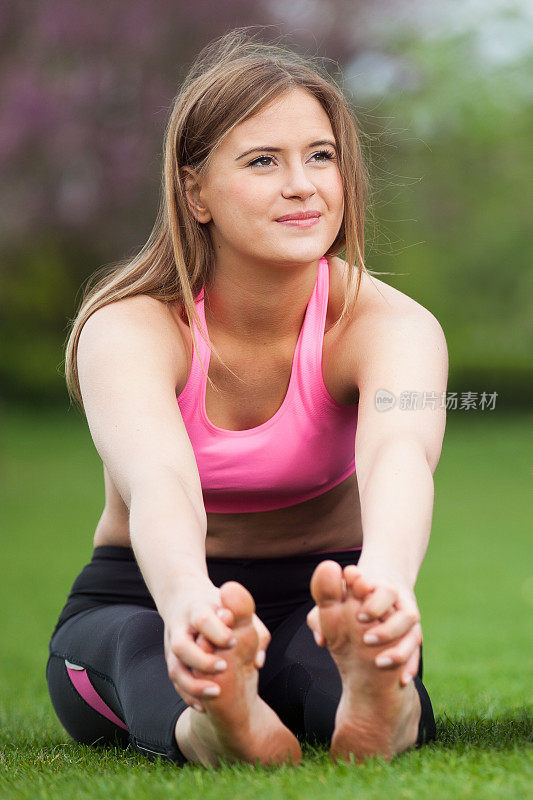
252	580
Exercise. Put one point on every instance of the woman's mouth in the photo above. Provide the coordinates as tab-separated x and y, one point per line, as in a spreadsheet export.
299	223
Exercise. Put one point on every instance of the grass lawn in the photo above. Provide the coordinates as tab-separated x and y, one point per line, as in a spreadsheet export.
475	593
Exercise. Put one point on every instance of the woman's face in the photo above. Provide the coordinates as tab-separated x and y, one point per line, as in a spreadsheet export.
244	193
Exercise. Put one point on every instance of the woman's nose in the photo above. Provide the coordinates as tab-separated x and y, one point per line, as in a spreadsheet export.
297	182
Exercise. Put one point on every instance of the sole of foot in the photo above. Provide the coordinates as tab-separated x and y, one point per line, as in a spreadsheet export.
237	724
377	715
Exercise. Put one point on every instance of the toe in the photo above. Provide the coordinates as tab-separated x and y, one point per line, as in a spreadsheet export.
327	583
238	599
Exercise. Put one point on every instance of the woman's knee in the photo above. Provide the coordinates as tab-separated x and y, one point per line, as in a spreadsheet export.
142	626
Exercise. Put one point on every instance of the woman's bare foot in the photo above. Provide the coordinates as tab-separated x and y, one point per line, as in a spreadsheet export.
237	725
376	715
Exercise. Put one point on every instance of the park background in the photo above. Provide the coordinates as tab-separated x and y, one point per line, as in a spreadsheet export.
441	92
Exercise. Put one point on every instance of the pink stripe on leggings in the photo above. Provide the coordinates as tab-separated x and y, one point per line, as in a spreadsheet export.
84	687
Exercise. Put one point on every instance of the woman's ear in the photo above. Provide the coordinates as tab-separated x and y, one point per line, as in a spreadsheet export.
192	189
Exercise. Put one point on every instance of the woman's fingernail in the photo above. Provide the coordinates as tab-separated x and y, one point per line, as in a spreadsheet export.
211	691
317	638
198	707
232	642
260	659
383	661
370	638
408	679
220	612
363	617
220	665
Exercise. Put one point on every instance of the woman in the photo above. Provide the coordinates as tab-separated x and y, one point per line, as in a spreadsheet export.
233	605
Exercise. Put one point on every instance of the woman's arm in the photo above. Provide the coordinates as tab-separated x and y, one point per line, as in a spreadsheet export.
397	450
396	512
396	453
130	360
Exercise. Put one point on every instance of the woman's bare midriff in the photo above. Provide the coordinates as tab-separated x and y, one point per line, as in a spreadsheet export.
331	521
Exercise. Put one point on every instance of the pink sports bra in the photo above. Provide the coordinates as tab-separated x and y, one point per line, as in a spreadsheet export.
306	448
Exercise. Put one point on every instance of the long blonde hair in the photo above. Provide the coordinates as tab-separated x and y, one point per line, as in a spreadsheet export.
231	79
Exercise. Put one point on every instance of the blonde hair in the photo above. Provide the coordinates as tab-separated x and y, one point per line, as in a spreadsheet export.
231	79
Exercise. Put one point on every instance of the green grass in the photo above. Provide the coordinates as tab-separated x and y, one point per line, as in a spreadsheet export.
475	593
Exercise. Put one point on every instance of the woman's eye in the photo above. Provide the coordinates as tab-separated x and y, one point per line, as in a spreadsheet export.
261	158
327	155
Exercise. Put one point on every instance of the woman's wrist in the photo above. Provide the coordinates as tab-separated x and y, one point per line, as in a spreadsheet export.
187	584
379	569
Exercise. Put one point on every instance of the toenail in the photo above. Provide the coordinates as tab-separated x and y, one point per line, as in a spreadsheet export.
211	691
220	665
383	661
370	638
363	617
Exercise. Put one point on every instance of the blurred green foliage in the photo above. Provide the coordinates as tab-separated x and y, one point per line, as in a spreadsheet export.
450	167
451	218
42	293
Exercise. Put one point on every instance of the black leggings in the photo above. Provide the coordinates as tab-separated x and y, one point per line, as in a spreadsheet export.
107	673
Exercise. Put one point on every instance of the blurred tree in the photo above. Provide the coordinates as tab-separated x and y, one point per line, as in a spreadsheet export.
86	91
455	179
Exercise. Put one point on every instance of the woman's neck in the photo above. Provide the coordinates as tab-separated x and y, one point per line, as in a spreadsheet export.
269	305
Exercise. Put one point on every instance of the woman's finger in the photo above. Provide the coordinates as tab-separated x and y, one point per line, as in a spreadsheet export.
264	640
172	663
195	657
262	632
226	615
313	622
402	651
398	624
357	582
207	621
312	619
192	685
411	667
378	602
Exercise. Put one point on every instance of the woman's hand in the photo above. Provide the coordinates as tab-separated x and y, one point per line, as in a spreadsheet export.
394	605
198	612
194	612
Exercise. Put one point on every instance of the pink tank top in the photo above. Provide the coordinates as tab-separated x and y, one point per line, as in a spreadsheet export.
306	448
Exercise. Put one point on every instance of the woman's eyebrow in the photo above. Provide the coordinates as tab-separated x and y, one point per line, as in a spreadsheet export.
280	149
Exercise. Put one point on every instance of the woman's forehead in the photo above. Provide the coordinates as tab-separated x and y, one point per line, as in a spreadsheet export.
282	123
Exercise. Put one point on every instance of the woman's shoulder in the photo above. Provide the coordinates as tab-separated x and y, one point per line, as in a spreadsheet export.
139	312
382	318
143	323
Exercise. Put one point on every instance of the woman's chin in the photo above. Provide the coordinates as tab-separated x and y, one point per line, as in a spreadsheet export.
299	251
